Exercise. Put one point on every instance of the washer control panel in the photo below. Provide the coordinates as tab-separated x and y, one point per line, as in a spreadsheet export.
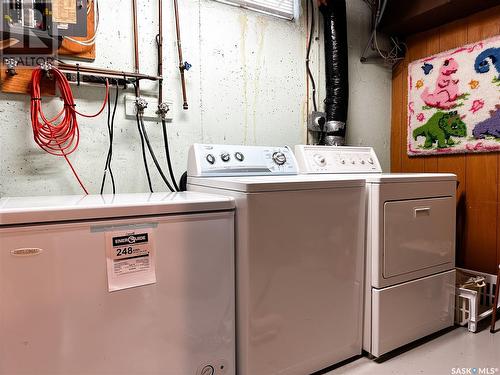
234	160
336	159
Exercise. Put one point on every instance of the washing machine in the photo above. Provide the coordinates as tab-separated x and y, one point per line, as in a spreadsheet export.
125	284
299	257
410	245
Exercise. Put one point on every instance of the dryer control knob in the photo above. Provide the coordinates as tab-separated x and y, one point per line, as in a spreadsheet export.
319	160
279	158
239	156
210	158
225	156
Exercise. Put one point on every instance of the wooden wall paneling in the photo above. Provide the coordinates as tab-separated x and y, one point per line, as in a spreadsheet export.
482	176
431	162
452	36
21	83
494	21
478	194
417	48
398	75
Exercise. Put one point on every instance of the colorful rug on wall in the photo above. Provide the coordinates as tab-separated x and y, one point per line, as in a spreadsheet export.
454	101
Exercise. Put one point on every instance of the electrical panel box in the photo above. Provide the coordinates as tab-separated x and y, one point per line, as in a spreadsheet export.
69	17
37	24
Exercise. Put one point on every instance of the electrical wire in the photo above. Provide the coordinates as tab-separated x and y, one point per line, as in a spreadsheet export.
322	134
111	124
394	54
59	135
309	44
91	41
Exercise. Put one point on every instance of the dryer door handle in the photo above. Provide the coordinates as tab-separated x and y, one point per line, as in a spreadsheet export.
422	211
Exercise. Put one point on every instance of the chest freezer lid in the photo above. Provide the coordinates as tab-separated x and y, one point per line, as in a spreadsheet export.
254	184
25	210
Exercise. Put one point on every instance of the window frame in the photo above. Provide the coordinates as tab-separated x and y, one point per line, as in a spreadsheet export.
263	10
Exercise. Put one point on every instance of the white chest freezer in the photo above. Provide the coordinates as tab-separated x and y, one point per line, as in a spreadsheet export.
70	305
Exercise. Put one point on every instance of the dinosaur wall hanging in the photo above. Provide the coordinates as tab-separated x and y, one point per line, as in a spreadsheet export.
454	100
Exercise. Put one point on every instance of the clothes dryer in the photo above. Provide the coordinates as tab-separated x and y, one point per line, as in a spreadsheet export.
410	245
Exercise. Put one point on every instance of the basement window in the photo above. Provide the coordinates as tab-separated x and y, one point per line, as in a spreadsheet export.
279	8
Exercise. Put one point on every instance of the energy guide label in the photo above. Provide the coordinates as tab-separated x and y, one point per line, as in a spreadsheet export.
130	259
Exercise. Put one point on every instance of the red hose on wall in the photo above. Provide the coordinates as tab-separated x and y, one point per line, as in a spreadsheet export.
59	135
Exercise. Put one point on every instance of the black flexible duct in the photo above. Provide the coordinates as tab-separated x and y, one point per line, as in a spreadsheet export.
336	72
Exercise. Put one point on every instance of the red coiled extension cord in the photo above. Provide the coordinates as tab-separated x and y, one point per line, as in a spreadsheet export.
59	135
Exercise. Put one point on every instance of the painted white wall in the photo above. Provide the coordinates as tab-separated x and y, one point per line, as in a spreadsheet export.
370	88
247	85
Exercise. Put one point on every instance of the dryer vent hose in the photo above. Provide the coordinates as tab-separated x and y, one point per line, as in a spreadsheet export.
336	72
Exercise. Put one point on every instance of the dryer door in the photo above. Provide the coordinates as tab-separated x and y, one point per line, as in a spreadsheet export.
418	235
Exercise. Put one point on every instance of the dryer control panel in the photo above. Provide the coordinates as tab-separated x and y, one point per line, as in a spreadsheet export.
233	160
336	159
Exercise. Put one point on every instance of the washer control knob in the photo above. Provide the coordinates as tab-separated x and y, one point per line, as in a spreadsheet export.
225	157
319	160
362	162
239	156
279	158
370	161
353	161
342	161
210	158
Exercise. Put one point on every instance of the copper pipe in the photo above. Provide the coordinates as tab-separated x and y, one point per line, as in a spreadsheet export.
160	50
136	41
65	67
179	51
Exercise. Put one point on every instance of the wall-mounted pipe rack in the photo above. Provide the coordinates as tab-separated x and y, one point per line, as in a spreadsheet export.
102	72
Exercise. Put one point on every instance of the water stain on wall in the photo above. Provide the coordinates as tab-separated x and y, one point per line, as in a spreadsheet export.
259	66
243	21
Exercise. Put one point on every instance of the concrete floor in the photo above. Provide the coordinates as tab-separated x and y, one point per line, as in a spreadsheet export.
455	352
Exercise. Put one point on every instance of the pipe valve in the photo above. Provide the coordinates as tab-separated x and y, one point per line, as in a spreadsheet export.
11	67
141	104
163	109
47	68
